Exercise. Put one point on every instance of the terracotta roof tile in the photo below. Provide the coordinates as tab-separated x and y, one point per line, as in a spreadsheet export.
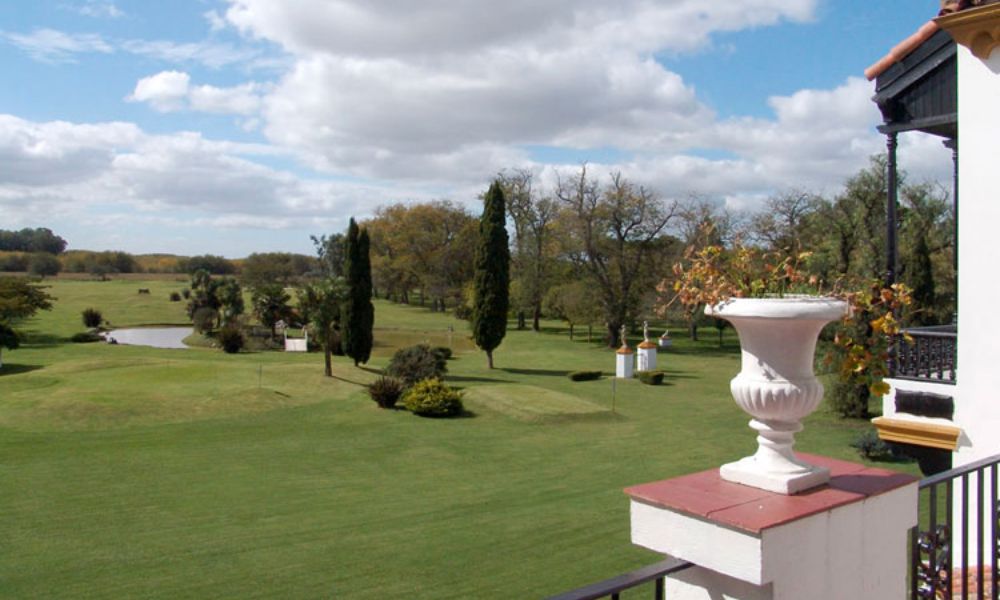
902	49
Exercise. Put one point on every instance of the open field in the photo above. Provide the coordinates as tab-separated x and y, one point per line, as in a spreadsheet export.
135	472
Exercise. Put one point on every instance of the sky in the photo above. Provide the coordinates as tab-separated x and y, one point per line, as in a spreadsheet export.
237	126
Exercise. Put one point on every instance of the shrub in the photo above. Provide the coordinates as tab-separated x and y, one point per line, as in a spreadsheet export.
92	318
175	297
463	311
186	293
385	391
415	363
870	446
231	339
86	337
651	377
585	375
443	351
431	398
204	319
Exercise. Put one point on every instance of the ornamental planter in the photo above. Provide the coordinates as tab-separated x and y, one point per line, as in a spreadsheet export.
776	384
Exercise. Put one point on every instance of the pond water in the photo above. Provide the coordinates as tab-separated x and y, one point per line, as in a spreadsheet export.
157	337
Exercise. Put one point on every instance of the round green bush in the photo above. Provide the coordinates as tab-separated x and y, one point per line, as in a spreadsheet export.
385	391
651	377
91	317
231	339
175	296
431	398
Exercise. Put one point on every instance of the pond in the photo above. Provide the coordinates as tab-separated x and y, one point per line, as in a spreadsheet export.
157	337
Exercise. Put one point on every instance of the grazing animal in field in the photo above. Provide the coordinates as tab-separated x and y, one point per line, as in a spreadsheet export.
143	290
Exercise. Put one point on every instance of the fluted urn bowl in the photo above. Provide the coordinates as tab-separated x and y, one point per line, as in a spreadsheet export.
776	384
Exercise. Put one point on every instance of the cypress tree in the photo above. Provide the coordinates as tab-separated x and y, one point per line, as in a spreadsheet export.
358	313
492	274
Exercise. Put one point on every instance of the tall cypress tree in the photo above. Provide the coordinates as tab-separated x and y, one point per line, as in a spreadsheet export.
492	274
358	313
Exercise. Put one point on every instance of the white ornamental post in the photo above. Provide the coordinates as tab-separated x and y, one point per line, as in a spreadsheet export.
625	359
647	351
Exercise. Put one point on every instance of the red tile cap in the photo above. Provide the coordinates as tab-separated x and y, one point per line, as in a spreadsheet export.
750	509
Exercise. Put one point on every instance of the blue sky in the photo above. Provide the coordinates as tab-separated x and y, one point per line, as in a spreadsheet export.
247	125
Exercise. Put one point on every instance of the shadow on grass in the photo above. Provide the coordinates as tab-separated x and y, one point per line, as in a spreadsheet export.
346	380
705	350
35	339
17	369
467	378
550	372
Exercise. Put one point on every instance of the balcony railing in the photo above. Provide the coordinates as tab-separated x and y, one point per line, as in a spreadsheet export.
612	588
936	546
930	357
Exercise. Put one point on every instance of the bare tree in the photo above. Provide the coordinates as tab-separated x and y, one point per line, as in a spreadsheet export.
611	234
783	222
532	216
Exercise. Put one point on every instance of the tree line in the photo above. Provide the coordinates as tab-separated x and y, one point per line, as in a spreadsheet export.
590	250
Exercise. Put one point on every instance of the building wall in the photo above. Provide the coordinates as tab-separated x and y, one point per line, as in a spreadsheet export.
977	409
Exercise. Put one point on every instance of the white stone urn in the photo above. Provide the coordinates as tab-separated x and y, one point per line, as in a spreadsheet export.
776	384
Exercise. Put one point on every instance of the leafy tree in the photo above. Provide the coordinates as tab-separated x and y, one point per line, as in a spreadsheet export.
492	274
614	236
426	247
32	240
266	268
42	264
330	250
204	319
576	303
230	297
204	293
358	312
8	339
270	305
91	318
215	265
13	262
319	304
21	298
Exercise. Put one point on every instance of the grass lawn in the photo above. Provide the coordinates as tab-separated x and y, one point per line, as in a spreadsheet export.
136	472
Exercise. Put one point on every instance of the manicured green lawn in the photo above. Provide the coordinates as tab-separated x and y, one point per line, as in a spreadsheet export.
135	472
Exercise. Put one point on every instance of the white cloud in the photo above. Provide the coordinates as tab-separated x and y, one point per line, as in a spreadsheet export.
169	91
61	170
57	47
215	21
99	9
211	54
166	91
435	91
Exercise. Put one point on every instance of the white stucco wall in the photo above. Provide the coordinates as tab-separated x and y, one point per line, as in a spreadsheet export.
977	409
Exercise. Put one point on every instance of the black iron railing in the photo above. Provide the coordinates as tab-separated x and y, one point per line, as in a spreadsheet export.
931	355
612	588
939	541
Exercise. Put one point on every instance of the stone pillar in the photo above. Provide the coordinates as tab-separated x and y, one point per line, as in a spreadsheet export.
647	356
844	540
625	363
